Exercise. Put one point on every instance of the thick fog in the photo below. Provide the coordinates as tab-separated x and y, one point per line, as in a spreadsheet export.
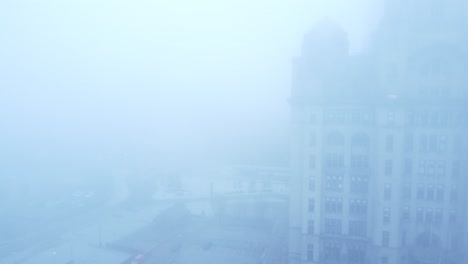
159	80
175	130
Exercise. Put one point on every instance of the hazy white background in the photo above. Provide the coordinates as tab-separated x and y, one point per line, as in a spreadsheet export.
184	77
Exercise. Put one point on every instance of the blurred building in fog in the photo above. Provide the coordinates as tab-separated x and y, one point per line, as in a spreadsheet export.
378	151
258	179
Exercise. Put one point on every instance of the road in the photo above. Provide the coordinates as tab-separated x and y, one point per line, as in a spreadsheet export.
41	227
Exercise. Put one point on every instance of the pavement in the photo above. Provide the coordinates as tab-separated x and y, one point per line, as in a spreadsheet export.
81	238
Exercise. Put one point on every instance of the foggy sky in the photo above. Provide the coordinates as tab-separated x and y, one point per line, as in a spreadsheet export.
180	76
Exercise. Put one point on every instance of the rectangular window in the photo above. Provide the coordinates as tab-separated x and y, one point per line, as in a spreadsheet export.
408	168
429	216
356	253
457	145
403	238
359	184
456	170
406	193
419	215
453	217
385	239
440	193
334	161
310	227
386	215
389	143
313	118
405	214
266	186
359	162
252	186
332	252
435	120
408	143
310	252
422	168
312	140
388	167
453	196
424	118
441	169
442	146
334	182
357	228
432	143
363	206
430	193
358	207
423	145
431	168
332	226
384	260
311	183
391	117
333	205
420	192
311	205
438	217
387	192
312	161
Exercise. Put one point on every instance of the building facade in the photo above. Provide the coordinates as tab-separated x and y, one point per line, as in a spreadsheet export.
378	142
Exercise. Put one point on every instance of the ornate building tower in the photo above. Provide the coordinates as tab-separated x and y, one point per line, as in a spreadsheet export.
378	158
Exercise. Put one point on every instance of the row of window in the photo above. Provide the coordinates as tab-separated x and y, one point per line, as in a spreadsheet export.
426	168
428	143
359	185
433	143
337	139
433	119
332	227
360	117
335	183
360	163
386	215
332	252
334	160
431	168
358	207
335	206
387	192
416	118
357	228
429	215
430	192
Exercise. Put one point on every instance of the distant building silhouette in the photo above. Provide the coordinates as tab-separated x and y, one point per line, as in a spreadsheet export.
378	152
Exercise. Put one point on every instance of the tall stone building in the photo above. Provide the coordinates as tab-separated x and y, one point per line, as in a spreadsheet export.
378	141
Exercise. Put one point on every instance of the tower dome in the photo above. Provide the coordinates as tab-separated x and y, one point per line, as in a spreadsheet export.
327	39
